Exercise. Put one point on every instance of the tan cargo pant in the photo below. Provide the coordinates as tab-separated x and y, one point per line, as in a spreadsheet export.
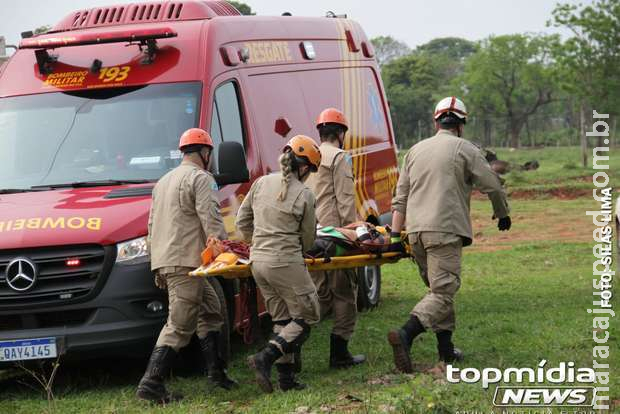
337	290
289	295
438	256
193	306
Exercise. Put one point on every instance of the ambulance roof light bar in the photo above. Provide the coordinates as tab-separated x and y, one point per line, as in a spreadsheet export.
143	38
54	41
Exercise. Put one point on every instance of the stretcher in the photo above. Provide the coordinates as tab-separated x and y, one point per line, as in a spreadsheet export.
240	271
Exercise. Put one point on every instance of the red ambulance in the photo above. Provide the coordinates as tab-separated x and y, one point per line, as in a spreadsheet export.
90	116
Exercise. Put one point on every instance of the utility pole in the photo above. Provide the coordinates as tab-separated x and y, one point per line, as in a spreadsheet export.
582	135
3	46
3	56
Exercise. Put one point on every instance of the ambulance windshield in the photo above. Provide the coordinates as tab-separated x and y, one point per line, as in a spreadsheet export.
103	134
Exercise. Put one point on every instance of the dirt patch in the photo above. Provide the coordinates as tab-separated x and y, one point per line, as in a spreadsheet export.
561	223
562	193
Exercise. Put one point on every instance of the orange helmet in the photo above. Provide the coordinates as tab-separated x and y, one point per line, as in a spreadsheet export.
332	116
195	136
304	147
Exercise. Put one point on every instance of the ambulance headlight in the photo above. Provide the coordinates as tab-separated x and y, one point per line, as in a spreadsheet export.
132	251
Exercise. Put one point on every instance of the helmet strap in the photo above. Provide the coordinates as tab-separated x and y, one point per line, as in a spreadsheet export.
302	177
341	141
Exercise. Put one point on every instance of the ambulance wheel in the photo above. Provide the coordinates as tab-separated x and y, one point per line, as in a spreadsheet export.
368	287
224	344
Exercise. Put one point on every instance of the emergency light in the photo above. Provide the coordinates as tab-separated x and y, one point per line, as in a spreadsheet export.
143	37
92	38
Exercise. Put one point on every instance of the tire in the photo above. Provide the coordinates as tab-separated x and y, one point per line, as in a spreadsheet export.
368	287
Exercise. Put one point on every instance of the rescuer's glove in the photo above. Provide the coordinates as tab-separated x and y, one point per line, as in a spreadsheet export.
160	281
395	237
396	243
504	223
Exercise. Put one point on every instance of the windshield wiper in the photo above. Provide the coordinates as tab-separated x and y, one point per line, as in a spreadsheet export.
96	183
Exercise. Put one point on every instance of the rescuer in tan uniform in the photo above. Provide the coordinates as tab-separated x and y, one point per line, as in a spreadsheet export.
433	196
185	211
278	216
334	189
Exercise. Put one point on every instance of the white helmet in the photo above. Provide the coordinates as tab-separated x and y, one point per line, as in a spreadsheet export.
451	105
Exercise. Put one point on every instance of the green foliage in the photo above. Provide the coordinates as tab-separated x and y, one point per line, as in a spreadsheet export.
521	89
505	319
387	49
42	29
590	58
511	77
415	82
450	47
410	84
242	7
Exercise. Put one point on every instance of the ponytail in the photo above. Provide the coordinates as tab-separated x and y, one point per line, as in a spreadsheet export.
287	164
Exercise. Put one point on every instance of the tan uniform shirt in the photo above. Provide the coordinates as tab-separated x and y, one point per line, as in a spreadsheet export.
279	230
435	184
185	211
333	187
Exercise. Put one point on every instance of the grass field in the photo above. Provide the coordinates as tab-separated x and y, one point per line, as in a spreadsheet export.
523	298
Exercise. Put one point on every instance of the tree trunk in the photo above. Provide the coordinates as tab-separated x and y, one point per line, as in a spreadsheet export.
582	135
515	130
487	132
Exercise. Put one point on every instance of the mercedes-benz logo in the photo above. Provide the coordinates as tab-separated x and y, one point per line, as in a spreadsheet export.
21	274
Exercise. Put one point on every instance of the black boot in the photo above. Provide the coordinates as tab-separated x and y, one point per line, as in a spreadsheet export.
297	362
401	340
286	378
339	355
447	352
216	365
261	363
151	386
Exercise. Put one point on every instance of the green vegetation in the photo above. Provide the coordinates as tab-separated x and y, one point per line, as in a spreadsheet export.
523	299
515	308
560	173
560	170
520	89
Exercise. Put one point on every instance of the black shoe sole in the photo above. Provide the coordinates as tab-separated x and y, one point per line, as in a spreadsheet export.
296	387
151	397
264	382
355	361
457	357
402	360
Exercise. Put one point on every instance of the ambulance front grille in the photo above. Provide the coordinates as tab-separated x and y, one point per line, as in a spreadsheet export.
56	281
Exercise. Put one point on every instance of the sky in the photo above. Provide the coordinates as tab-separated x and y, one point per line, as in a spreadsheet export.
413	21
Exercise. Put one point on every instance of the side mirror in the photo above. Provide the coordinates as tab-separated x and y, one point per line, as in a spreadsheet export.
232	165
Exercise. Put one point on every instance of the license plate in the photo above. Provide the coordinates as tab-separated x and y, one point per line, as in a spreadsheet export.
23	349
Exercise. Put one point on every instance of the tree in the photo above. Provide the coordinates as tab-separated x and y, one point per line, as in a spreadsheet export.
242	7
449	55
387	49
42	29
454	48
589	60
416	81
410	84
511	76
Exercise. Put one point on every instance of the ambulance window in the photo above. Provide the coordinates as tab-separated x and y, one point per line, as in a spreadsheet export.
228	113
